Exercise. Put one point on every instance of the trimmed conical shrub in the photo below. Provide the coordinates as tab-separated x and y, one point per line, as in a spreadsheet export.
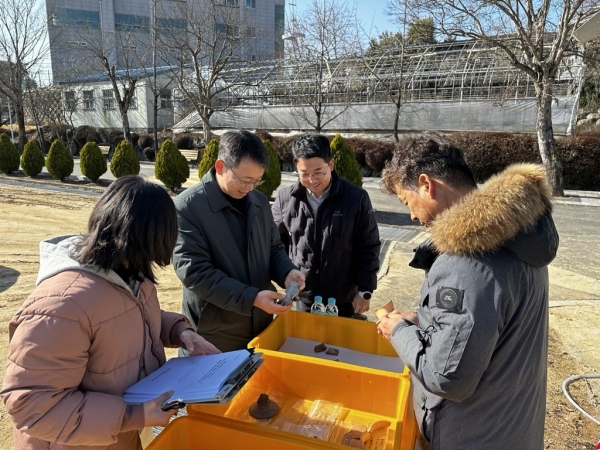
171	167
209	157
9	155
32	159
272	176
92	161
59	161
124	161
346	165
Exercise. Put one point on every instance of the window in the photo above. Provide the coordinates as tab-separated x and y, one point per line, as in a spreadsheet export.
78	43
76	18
226	2
228	30
109	99
166	98
171	24
129	22
133	101
250	3
250	58
70	100
251	32
88	100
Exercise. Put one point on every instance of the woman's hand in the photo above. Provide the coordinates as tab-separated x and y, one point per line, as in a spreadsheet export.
154	416
196	344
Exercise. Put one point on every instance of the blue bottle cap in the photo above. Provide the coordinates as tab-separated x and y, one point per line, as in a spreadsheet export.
331	300
318	298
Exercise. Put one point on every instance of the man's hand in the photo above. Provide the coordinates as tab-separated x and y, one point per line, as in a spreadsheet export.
196	344
360	304
265	300
386	323
153	415
297	276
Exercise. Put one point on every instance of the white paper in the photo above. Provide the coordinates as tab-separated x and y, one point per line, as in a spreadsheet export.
192	378
306	347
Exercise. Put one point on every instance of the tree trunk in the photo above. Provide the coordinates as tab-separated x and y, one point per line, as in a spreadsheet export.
126	129
20	113
545	134
207	130
397	120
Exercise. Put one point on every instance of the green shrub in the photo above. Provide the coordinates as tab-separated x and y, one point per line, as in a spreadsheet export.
92	161
581	162
32	159
209	157
272	176
59	161
124	160
9	155
145	141
283	148
345	162
378	154
183	140
85	133
171	166
490	153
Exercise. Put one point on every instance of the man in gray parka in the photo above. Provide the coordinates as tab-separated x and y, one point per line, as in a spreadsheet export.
477	345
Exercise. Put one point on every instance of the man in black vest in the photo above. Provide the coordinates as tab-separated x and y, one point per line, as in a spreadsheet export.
329	227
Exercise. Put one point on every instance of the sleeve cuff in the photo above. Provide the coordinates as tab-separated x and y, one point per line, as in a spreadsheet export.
133	418
178	328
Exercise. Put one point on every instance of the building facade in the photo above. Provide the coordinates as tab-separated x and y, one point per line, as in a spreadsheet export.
91	101
84	32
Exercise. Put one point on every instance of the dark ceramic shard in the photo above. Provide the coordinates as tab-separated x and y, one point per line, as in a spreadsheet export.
320	347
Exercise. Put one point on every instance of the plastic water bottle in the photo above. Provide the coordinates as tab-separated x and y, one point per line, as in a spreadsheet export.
331	309
318	307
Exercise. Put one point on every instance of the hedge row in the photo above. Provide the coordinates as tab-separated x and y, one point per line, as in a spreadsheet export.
486	154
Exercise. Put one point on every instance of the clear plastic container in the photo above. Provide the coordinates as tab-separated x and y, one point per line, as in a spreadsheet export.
331	309
318	307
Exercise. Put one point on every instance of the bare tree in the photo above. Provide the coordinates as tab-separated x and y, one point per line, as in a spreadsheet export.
211	54
386	62
535	36
315	62
121	67
23	28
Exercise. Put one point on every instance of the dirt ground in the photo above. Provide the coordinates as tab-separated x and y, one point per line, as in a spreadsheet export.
30	215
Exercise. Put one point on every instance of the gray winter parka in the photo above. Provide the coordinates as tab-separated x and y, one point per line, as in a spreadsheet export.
220	283
478	357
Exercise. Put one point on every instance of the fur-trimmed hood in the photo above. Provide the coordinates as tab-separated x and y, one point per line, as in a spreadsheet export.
511	211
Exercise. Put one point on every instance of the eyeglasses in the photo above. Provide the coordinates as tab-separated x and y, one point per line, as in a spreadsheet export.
245	184
316	176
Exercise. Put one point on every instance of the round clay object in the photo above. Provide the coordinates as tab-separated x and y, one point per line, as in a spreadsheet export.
264	408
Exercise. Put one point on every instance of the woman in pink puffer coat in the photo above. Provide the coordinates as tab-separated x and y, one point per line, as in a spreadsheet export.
93	327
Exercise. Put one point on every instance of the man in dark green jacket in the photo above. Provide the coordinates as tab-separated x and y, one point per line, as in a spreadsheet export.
228	248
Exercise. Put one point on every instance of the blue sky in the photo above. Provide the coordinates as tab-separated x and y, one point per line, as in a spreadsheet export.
370	13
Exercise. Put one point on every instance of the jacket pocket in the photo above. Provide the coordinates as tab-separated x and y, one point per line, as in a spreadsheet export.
207	322
450	344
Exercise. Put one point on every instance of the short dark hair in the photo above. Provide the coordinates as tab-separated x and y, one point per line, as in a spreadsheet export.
311	145
428	153
237	145
135	221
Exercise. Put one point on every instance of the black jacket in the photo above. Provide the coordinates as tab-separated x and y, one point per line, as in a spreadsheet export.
339	252
220	282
